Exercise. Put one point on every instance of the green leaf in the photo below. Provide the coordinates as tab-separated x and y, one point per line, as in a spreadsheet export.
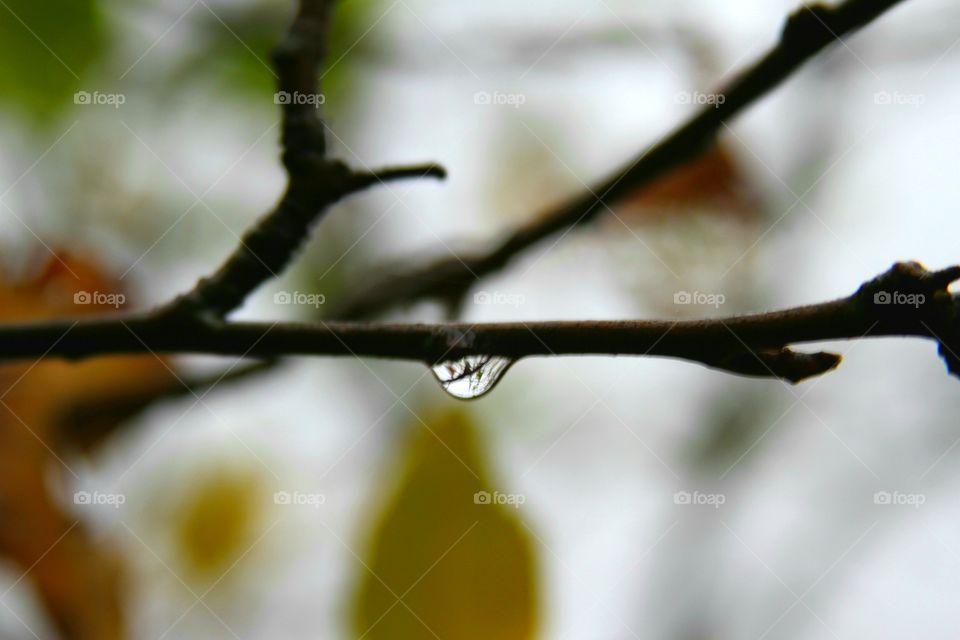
47	48
441	564
233	49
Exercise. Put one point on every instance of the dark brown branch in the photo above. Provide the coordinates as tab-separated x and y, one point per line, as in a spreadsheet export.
907	300
123	406
87	421
806	32
314	181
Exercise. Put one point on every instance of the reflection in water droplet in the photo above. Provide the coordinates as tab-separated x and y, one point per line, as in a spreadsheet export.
472	376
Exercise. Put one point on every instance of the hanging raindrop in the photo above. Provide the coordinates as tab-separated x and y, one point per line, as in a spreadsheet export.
471	376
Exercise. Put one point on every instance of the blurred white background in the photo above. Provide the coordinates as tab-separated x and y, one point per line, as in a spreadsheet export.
841	185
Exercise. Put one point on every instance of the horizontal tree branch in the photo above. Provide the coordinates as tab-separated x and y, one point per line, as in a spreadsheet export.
806	32
907	300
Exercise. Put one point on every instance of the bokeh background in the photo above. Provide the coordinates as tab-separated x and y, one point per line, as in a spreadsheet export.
338	498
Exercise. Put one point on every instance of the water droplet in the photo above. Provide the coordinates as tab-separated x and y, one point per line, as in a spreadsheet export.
471	376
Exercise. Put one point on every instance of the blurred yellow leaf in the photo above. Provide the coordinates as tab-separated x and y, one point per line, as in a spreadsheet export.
447	561
219	520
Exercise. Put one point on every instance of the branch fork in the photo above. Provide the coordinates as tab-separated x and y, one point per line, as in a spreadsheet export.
907	300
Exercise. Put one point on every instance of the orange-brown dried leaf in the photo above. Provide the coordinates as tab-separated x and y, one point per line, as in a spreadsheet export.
77	579
714	182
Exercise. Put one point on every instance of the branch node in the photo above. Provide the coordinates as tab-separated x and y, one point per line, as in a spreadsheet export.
781	363
908	290
908	294
808	26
